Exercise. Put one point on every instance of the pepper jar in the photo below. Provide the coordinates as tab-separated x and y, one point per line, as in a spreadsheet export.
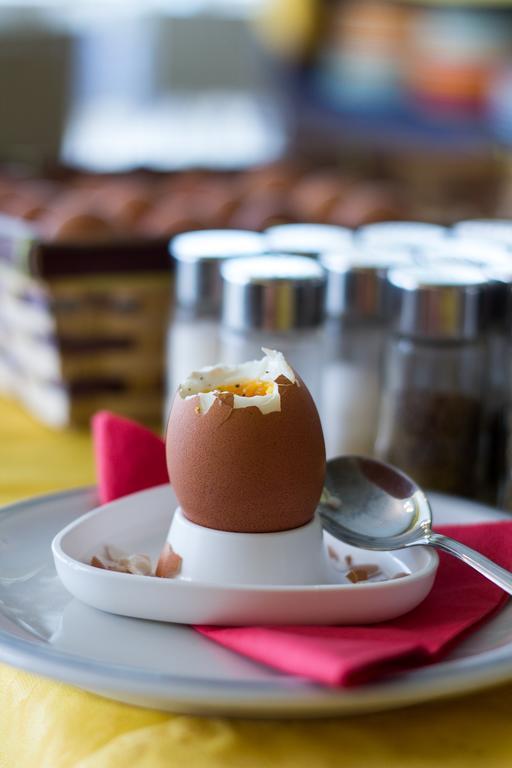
432	408
493	258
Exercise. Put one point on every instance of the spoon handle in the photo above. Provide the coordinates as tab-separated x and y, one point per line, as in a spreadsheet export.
480	563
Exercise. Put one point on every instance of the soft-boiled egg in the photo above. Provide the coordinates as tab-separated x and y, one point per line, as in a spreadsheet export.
245	449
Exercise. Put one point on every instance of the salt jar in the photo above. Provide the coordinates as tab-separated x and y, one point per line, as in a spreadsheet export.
433	402
354	338
193	335
306	239
277	302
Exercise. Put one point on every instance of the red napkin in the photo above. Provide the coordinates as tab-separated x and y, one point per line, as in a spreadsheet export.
130	458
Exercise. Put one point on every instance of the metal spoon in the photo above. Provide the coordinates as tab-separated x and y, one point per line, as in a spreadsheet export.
373	505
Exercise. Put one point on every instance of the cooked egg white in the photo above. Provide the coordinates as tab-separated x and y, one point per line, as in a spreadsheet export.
252	384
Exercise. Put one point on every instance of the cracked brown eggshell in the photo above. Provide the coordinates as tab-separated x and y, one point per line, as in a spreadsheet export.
237	469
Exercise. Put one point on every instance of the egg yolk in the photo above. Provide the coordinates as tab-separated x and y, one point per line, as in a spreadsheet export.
245	388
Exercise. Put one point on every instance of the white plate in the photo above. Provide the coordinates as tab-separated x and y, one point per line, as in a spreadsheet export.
44	630
139	523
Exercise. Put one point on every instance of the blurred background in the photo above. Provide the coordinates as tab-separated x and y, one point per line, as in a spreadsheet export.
414	93
126	124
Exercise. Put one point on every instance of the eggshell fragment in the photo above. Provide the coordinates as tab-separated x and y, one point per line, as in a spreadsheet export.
169	563
241	470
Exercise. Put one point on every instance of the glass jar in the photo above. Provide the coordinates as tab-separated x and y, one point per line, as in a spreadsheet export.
468	246
355	333
351	385
505	486
193	334
432	410
275	302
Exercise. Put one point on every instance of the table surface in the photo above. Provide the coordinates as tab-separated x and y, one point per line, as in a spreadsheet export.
44	724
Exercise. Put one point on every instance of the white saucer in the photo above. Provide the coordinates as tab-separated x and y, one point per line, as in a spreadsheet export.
139	524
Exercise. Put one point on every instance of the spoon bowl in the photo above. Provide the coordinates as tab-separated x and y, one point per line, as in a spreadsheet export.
373	505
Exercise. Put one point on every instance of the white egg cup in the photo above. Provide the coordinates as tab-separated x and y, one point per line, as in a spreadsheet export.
296	556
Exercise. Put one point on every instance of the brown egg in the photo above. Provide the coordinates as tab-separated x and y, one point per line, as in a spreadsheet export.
128	212
213	204
70	200
276	178
16	204
34	212
259	210
187	181
246	469
171	214
313	198
77	227
32	199
258	216
369	203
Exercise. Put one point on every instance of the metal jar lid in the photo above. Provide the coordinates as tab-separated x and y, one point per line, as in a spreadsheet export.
274	293
199	255
415	235
356	284
495	261
306	239
439	301
496	230
492	257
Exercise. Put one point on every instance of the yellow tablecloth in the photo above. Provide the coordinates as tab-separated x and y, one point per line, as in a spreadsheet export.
44	724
